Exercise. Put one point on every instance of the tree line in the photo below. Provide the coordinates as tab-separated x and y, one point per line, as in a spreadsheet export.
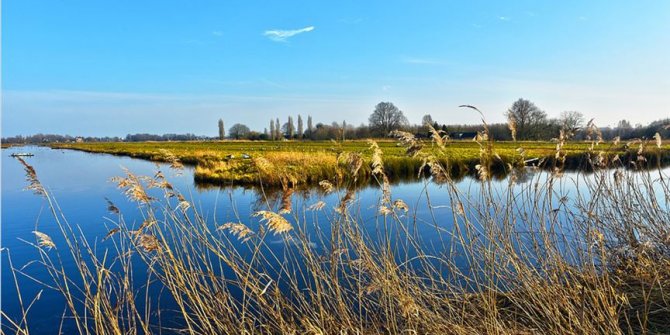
54	138
525	121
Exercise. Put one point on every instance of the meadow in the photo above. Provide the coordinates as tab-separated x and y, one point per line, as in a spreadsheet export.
293	163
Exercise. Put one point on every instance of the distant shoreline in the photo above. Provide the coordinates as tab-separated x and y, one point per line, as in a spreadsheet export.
295	163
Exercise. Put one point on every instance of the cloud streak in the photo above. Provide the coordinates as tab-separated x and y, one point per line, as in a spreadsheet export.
284	35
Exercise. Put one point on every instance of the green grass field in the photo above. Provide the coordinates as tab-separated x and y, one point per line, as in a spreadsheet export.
304	162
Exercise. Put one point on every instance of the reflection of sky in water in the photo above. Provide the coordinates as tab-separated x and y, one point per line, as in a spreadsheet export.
80	182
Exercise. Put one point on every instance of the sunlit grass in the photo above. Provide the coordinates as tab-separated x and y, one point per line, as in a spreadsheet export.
308	162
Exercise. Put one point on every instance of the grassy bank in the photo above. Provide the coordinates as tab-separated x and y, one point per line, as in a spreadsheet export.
9	145
293	162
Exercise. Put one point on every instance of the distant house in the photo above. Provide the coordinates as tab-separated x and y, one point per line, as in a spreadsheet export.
79	140
467	135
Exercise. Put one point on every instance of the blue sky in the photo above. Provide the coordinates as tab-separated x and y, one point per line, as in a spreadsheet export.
118	67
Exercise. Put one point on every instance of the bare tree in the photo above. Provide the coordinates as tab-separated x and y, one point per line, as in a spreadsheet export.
427	120
277	130
222	130
570	122
528	121
238	131
424	127
386	117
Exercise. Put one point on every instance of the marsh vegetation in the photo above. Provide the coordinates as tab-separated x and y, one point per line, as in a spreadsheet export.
555	254
294	163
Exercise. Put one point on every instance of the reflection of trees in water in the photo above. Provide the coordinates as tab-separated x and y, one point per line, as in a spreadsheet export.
525	175
276	199
281	199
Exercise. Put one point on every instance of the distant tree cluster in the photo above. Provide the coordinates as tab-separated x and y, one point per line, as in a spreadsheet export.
625	131
164	137
52	138
239	131
385	118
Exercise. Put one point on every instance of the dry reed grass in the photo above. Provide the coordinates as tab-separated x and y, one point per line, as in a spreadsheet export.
530	258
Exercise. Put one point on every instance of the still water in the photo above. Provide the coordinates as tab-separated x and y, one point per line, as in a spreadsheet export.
80	184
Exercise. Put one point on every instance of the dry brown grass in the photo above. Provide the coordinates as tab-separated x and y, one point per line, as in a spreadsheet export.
286	169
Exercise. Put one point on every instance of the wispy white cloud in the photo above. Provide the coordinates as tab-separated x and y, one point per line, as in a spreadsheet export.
217	33
283	35
504	18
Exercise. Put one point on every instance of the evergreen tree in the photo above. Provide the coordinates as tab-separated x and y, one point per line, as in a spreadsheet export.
277	130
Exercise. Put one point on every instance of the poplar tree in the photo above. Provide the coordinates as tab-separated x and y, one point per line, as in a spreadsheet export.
290	129
222	130
272	130
344	128
300	130
309	126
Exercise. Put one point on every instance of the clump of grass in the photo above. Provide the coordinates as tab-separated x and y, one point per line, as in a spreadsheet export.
288	169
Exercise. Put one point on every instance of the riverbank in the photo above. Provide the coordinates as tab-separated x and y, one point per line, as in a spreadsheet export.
292	163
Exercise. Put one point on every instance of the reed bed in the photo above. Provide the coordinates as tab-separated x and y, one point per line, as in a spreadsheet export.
538	257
